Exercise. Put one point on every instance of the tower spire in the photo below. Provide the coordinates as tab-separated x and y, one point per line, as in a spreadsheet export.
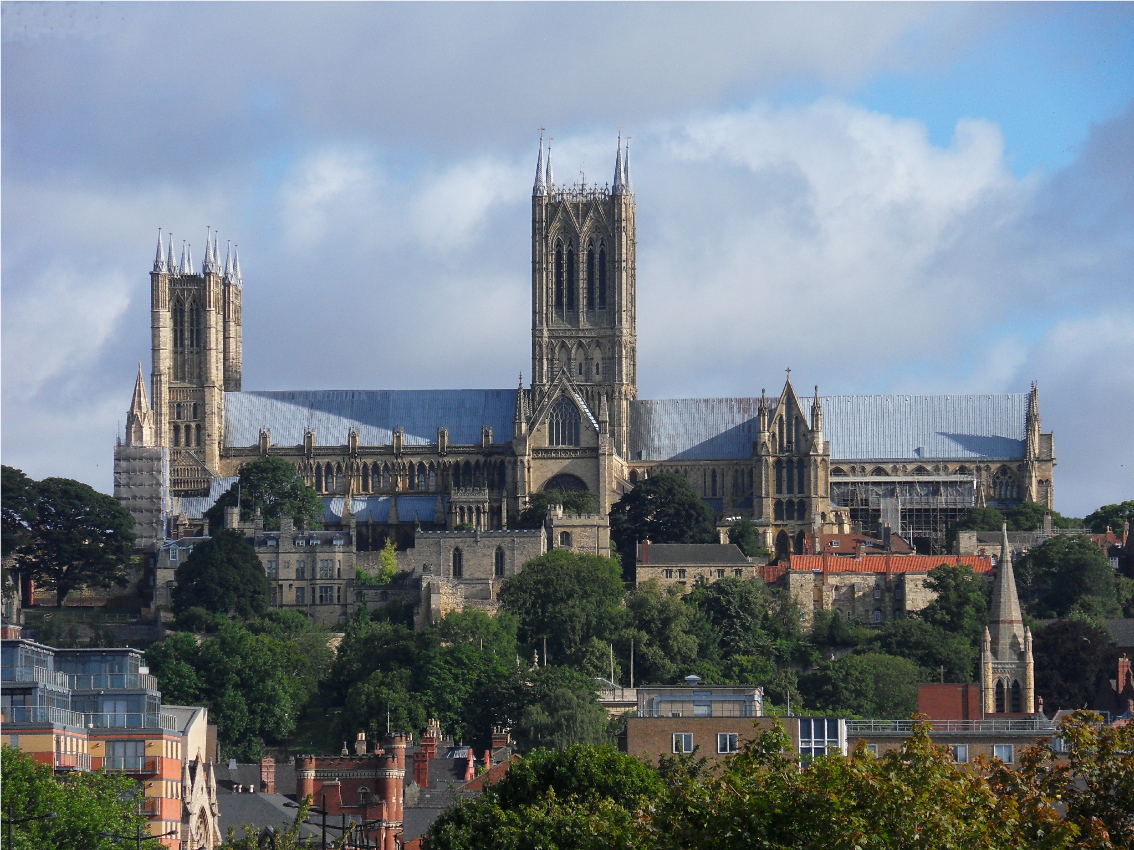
540	187
549	178
159	258
207	263
228	261
618	186
1005	620
139	419
817	415
170	265
236	264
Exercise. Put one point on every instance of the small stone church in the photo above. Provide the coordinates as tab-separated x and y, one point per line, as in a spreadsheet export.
409	463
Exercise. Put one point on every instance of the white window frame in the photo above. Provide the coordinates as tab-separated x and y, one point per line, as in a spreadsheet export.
960	753
999	751
728	742
686	740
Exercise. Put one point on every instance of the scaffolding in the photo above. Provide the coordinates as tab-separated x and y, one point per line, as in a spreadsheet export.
918	508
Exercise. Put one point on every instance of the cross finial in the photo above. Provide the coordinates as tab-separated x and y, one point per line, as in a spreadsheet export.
788	370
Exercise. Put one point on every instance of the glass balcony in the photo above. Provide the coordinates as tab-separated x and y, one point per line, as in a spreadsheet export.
114	681
168	722
72	761
36	674
132	764
42	714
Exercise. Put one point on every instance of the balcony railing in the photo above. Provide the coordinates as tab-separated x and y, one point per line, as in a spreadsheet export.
132	721
36	674
905	727
114	681
718	710
72	761
132	764
42	714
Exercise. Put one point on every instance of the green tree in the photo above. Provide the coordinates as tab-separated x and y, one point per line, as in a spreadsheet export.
79	538
831	628
746	535
18	497
960	603
1071	657
85	804
388	562
591	798
561	709
737	613
1068	572
224	575
659	628
565	598
1028	516
871	685
254	684
273	486
1108	516
578	502
662	509
975	519
930	646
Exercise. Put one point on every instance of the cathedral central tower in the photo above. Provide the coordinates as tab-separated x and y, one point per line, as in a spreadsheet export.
583	291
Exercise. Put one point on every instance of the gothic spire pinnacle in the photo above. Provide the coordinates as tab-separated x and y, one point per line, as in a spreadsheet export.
228	261
207	263
1005	620
618	186
140	403
170	265
159	258
540	187
216	255
549	178
236	264
627	183
817	413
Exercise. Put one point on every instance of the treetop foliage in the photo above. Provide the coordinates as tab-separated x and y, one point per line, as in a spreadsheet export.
66	533
224	575
913	796
1110	516
1065	575
663	509
273	486
577	502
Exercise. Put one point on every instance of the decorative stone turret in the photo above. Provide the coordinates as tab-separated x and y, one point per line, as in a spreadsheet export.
1007	667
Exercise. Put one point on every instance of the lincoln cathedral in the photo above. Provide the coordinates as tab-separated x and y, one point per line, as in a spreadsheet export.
444	461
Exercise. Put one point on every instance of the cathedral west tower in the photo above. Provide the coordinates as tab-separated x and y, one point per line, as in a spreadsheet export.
583	291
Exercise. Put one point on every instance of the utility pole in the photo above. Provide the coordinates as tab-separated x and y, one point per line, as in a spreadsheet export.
631	663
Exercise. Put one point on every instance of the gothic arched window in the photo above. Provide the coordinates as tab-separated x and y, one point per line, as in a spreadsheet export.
200	436
779	477
602	277
778	512
558	275
178	324
366	478
590	277
318	478
1016	704
1000	697
565	540
195	325
572	279
713	485
790	509
176	435
498	564
563	424
458	564
801	472
791	476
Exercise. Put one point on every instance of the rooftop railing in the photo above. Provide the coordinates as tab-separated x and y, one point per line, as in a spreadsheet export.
36	674
718	710
73	761
905	727
114	681
132	764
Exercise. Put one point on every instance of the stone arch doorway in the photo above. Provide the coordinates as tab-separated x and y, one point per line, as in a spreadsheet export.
783	546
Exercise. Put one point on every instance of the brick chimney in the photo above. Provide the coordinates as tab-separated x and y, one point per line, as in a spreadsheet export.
430	739
1123	673
487	759
360	744
268	775
500	738
421	769
470	766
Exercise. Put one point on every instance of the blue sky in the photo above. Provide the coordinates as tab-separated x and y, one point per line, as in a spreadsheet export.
888	197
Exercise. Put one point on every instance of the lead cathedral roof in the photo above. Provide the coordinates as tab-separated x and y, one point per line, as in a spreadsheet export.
862	427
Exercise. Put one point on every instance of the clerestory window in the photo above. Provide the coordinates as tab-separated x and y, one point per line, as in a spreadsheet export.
563	424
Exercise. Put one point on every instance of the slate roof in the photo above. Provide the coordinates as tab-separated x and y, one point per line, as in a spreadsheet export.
373	413
685	554
859	427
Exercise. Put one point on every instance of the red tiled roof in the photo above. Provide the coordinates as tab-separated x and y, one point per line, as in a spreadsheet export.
886	563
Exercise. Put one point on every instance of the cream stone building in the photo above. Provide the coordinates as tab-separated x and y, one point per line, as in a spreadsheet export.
394	462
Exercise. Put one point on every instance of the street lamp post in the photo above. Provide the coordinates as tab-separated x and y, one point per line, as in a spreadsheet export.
12	822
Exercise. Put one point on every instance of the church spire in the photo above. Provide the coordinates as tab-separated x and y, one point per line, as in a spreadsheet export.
618	186
159	258
228	261
519	420
1005	621
549	178
540	187
170	265
236	264
627	183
